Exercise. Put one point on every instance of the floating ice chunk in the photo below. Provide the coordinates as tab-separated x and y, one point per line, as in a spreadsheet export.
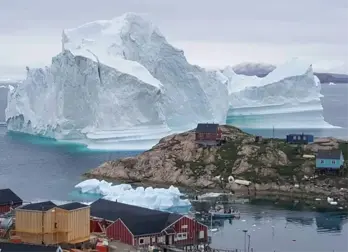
149	197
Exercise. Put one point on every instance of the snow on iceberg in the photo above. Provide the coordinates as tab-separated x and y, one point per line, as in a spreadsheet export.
119	84
154	198
114	78
287	97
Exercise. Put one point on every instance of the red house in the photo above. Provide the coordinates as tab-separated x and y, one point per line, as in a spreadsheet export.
141	227
8	200
208	134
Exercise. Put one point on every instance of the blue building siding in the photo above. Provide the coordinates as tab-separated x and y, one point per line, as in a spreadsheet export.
321	163
300	138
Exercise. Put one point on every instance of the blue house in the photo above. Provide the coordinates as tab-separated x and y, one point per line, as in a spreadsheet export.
299	138
329	159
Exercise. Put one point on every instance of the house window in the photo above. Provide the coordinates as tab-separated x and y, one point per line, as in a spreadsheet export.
321	161
181	236
333	161
141	241
154	239
304	138
183	226
201	234
294	137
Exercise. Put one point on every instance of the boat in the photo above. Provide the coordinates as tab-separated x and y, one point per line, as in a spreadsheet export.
221	214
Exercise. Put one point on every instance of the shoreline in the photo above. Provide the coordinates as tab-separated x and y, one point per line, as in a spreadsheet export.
311	198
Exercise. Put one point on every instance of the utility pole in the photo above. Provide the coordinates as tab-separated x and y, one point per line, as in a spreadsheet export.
245	233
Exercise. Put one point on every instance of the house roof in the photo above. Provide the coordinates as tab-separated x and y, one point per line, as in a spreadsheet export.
207	128
139	220
72	206
40	206
21	247
329	154
7	196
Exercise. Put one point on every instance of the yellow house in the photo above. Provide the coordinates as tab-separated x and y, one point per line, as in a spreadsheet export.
47	223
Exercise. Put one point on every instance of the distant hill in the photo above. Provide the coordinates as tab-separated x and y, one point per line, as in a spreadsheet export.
263	69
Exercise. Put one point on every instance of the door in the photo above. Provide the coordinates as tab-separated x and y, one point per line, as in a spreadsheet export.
169	239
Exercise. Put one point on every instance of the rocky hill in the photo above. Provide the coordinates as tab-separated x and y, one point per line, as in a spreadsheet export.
270	165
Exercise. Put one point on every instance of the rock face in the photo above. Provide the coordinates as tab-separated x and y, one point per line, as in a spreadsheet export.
269	164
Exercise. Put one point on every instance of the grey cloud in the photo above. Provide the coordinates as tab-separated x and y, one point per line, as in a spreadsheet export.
268	21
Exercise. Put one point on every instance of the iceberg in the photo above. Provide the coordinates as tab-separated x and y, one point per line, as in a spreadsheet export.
153	198
118	84
287	97
116	81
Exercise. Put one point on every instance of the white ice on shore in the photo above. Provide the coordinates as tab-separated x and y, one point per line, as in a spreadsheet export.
149	197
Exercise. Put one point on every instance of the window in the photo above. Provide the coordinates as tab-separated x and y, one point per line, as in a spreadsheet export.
141	241
183	226
181	236
153	239
321	161
294	137
333	162
201	234
304	138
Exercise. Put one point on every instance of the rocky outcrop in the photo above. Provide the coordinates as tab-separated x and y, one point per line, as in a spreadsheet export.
270	164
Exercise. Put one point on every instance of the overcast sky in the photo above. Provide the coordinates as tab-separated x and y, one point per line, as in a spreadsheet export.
213	33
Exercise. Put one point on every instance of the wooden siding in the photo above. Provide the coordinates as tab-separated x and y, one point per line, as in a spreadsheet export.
118	231
53	226
192	228
79	225
34	222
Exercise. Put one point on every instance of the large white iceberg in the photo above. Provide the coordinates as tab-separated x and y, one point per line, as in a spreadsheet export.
288	97
119	80
154	198
119	84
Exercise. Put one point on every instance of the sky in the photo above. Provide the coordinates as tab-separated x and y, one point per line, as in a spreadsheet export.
211	33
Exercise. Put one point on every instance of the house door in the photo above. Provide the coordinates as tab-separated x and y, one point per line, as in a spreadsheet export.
169	239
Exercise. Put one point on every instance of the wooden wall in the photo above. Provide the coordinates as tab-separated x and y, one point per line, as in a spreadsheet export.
53	226
79	224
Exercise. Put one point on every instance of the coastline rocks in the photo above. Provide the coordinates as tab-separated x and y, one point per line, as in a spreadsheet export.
269	165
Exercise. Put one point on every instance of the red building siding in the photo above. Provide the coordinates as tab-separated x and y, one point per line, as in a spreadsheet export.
7	208
209	136
118	231
192	228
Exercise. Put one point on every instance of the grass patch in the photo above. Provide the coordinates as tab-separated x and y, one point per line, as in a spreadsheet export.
227	154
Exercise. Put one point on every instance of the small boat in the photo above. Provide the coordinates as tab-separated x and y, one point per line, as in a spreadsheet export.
218	214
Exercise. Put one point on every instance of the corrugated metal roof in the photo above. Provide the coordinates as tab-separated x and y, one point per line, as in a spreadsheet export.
72	206
329	154
207	128
40	206
7	196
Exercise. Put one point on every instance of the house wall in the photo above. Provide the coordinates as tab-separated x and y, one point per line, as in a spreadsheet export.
149	240
7	208
79	225
118	231
206	136
192	228
36	226
294	138
328	163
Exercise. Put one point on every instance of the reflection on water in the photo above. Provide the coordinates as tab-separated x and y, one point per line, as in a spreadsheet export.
272	227
330	222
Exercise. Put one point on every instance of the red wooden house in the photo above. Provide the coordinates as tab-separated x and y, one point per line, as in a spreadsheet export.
8	200
140	227
208	134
